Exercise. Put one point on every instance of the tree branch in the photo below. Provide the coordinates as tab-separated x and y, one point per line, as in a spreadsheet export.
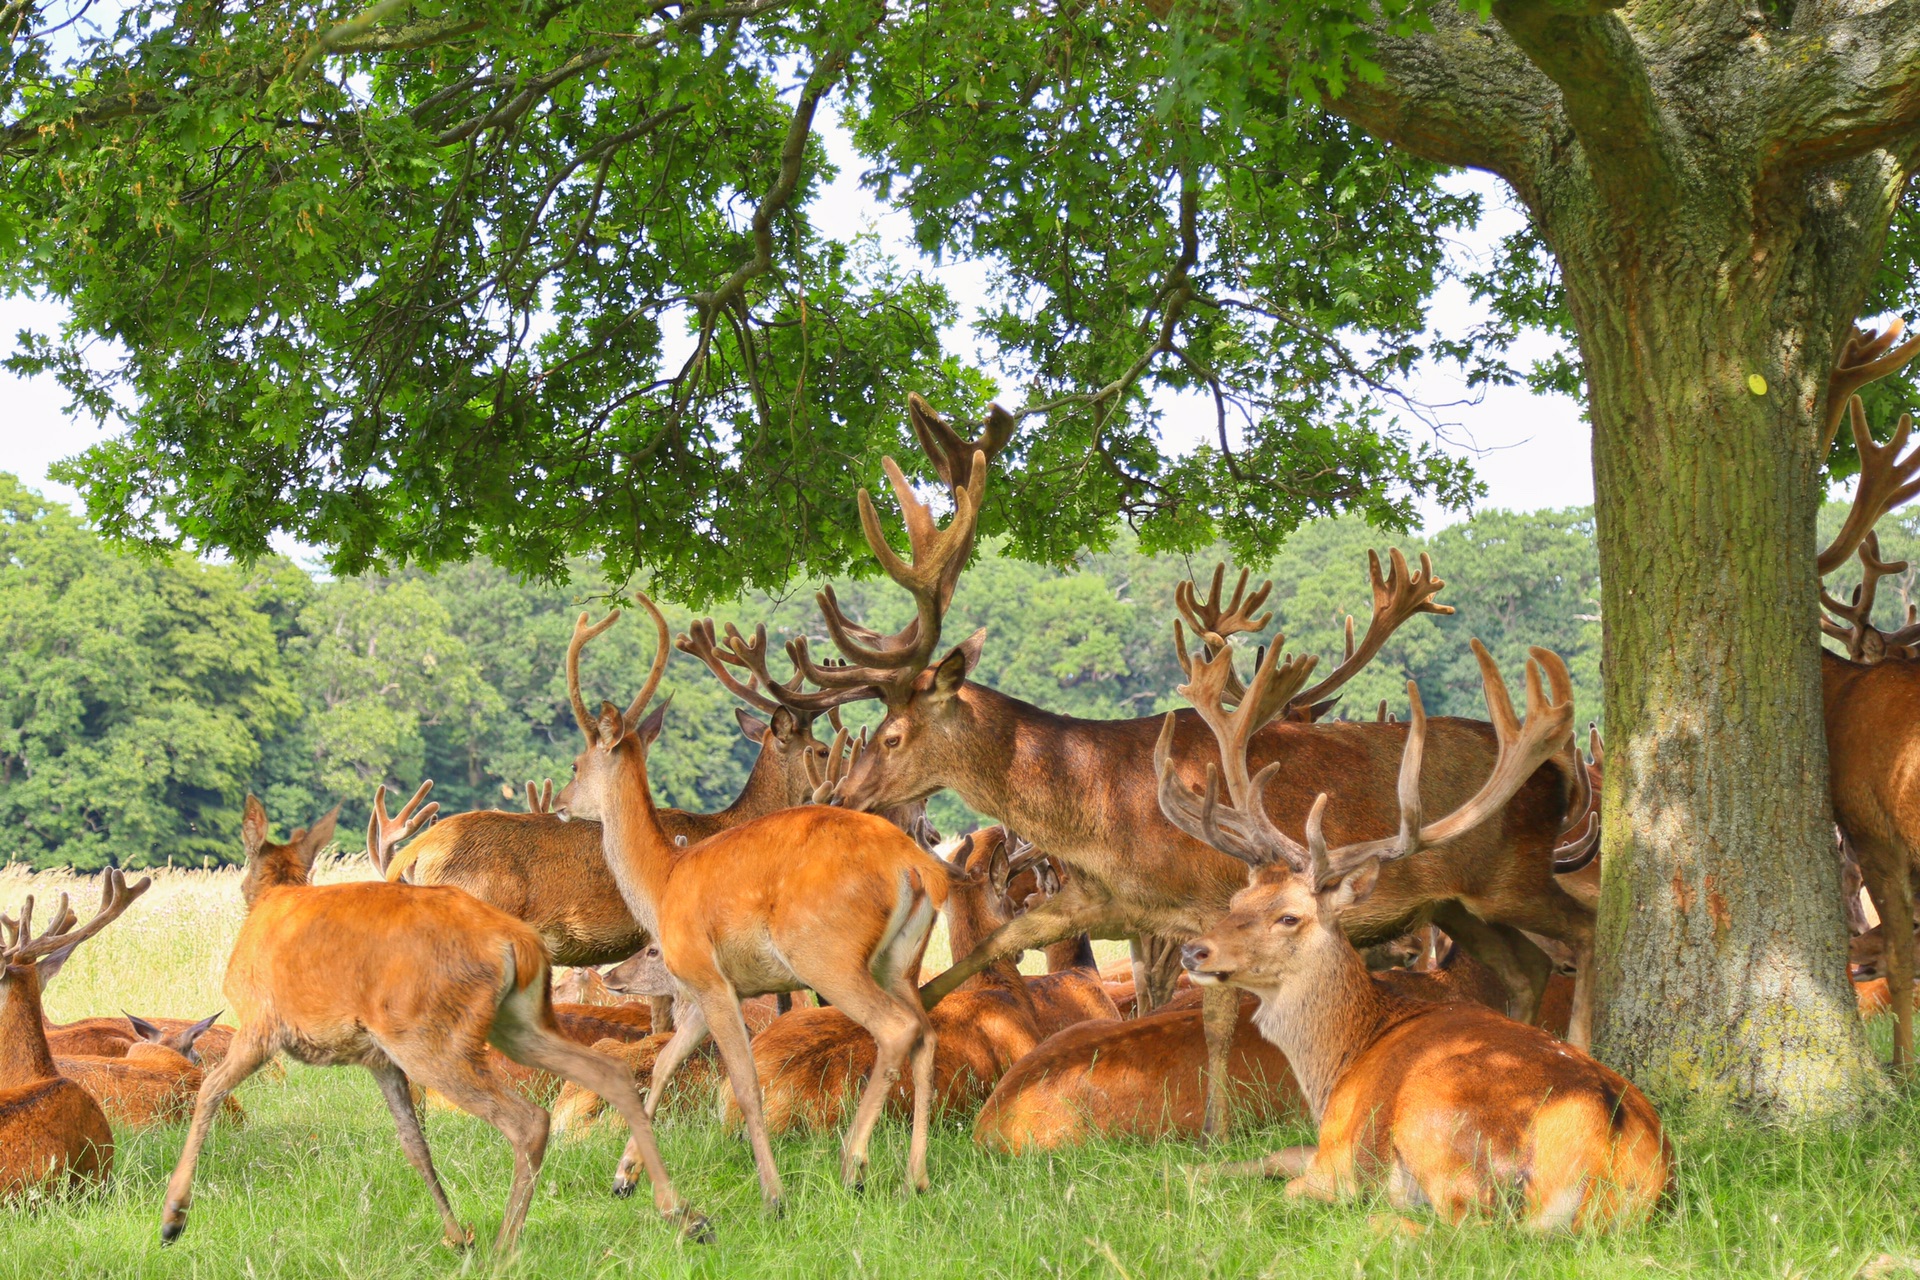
1460	94
1848	84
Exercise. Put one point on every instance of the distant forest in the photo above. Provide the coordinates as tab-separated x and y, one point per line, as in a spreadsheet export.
144	697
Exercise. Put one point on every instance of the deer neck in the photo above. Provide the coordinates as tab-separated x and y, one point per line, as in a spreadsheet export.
1071	953
1837	674
766	788
1011	764
1323	1017
639	854
969	922
24	1055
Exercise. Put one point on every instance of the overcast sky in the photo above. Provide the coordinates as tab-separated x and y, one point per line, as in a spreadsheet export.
1532	451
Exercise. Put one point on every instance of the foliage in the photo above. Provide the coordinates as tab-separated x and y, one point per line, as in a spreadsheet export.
418	286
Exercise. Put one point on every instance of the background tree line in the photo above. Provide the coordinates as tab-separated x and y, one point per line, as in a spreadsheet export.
144	696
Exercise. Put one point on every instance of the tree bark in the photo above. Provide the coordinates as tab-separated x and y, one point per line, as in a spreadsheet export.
1716	210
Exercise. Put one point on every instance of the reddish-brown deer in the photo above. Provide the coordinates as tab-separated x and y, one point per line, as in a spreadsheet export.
810	897
52	1132
1084	791
413	983
1871	697
1401	1089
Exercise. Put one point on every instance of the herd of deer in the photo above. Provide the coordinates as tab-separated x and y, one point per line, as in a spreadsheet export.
1250	848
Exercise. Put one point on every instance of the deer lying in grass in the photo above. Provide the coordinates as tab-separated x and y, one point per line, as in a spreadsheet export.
811	897
200	1043
52	1132
1403	1092
811	1062
413	983
149	1084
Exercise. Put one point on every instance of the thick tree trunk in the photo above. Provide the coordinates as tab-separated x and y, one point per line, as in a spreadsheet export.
1707	338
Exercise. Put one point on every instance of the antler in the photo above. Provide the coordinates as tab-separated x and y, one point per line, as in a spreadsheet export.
751	655
944	447
1865	642
22	947
887	665
841	755
1867	357
1244	830
582	633
1886	481
540	801
384	832
1397	596
1213	624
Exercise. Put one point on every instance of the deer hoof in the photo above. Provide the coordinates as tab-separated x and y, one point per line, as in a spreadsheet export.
622	1186
459	1242
172	1229
694	1227
776	1208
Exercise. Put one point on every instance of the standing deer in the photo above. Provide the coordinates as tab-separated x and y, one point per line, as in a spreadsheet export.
414	983
811	897
51	1130
1404	1092
551	873
1084	789
1871	697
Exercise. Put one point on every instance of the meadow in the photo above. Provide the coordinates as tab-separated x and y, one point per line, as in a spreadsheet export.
315	1185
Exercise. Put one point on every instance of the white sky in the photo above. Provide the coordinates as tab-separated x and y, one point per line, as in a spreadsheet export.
1532	451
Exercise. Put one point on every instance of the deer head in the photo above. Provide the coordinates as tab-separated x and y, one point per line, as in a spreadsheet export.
272	865
22	950
1285	924
615	739
644	973
790	709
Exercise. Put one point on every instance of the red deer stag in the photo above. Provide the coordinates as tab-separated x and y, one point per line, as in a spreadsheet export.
51	1130
1400	1089
810	897
551	873
1084	791
413	983
1871	697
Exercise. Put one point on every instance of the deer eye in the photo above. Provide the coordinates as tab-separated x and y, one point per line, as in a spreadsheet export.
893	741
1288	921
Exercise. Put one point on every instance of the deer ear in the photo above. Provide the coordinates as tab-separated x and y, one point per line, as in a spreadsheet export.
320	837
144	1029
649	728
954	668
253	826
999	870
786	726
1355	886
610	728
753	726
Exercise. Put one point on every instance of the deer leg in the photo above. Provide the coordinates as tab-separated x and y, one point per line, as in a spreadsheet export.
721	1012
1552	912
1891	889
660	1012
399	1095
895	1032
547	1049
1288	1162
689	1031
923	1049
1219	1014
465	1079
244	1056
1051	921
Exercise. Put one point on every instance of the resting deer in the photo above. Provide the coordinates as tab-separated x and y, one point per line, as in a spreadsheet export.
1084	789
1402	1091
51	1130
149	1084
199	1042
812	897
1871	697
551	873
413	983
811	1061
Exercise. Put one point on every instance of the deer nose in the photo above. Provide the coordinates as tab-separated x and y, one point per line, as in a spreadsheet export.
1195	954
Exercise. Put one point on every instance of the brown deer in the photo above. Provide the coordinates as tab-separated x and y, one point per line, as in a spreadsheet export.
414	983
810	897
1072	990
149	1084
52	1132
199	1042
811	1062
1084	790
1401	1090
1871	697
551	873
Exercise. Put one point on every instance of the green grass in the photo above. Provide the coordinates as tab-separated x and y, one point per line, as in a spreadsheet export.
316	1185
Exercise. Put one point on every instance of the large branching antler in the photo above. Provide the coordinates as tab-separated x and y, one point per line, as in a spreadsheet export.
1865	642
1867	357
582	632
1215	623
1243	829
24	947
385	833
1886	481
1397	596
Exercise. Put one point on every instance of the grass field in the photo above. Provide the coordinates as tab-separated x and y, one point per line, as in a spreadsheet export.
316	1185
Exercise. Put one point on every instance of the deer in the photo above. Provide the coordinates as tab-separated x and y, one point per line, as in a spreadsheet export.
200	1043
147	1085
811	1061
1072	990
52	1132
551	873
1399	1089
1084	789
414	983
1871	697
811	897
